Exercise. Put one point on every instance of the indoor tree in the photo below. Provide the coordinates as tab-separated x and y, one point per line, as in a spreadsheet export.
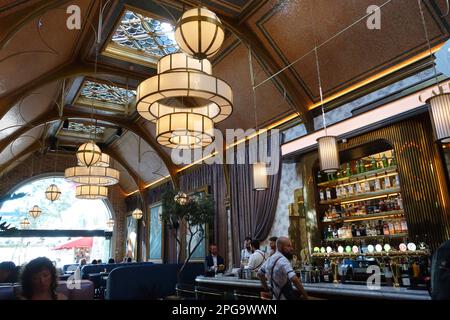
187	219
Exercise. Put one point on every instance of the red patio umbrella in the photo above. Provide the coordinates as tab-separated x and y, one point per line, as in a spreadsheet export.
77	243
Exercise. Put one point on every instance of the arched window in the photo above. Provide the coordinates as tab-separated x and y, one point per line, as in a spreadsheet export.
67	230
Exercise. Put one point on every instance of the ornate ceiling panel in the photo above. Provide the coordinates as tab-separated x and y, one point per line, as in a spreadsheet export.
39	46
105	96
141	39
29	108
150	168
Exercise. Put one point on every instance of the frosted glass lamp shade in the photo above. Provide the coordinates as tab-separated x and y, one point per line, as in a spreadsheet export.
91	192
199	33
440	116
328	154
52	193
35	212
89	154
260	179
137	214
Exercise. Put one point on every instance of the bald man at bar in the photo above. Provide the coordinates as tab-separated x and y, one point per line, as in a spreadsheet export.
278	271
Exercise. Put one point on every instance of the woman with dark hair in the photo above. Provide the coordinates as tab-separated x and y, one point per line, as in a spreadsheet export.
39	280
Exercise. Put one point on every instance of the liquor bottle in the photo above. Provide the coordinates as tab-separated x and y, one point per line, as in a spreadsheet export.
383	207
398	226
321	195
391	227
387	183
363	167
377	185
400	201
348	171
404	226
358	231
328	193
338	192
380	228
385	228
353	230
394	160
329	233
350	190
373	164
384	160
397	181
358	188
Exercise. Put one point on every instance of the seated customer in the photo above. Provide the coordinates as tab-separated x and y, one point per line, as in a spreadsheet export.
8	272
39	281
257	258
214	263
111	260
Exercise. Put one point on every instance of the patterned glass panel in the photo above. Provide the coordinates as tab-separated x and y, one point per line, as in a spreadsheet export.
107	93
147	34
85	128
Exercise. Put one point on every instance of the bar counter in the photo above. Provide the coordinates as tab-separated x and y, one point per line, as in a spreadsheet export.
320	290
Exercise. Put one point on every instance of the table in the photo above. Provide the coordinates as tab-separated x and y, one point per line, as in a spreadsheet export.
321	290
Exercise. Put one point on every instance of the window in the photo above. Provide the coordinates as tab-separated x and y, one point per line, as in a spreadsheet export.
67	230
141	39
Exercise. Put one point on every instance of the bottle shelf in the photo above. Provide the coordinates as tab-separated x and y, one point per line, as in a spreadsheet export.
359	177
367	217
390	236
362	196
390	254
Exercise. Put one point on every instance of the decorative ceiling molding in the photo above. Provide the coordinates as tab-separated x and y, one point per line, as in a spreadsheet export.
124	123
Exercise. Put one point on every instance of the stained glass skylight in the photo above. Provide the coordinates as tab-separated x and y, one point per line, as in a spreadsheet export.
106	93
141	38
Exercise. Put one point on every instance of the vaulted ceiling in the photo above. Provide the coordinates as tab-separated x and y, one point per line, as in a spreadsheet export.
64	87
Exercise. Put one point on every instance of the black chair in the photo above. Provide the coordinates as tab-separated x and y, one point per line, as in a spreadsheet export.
205	293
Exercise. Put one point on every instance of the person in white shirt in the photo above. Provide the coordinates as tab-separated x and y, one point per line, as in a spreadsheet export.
246	252
257	258
277	270
273	245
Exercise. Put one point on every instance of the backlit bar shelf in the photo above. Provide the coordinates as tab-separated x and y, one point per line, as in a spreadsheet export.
367	217
397	235
390	254
360	177
362	196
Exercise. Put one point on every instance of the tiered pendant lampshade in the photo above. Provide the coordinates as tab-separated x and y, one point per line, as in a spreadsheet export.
52	193
103	162
137	214
440	114
89	154
199	33
205	100
35	212
91	192
25	223
328	154
260	179
94	175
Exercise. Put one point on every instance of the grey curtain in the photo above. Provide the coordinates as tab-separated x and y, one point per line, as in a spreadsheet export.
252	212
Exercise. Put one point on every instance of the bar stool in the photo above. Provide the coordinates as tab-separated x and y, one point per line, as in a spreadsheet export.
185	291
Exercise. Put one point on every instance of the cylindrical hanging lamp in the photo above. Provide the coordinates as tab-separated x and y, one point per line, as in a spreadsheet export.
328	154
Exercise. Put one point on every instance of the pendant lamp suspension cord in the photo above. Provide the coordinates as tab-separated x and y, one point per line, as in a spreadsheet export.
425	29
252	79
322	44
313	22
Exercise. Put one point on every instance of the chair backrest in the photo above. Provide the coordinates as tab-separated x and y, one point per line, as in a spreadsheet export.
97	268
70	267
7	291
83	290
148	281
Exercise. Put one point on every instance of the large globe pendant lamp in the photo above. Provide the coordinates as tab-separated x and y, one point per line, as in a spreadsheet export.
25	224
199	33
35	212
52	193
89	154
137	214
